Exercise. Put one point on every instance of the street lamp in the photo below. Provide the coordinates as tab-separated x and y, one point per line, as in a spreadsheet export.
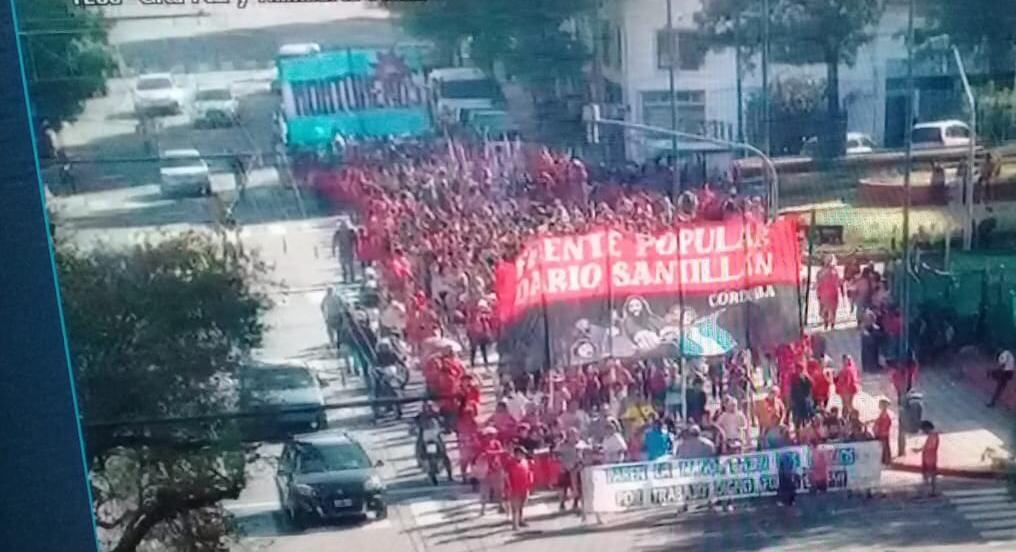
671	63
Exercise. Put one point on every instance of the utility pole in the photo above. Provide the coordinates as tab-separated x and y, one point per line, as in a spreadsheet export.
904	271
766	111
671	68
739	80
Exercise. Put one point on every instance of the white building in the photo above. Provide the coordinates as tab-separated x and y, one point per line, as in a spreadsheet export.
632	59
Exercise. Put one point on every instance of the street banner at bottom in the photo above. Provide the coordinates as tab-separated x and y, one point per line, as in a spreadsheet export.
679	482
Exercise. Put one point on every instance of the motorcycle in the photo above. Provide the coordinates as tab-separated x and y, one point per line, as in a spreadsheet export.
387	386
433	455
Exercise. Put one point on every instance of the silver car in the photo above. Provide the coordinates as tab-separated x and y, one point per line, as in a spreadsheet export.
184	172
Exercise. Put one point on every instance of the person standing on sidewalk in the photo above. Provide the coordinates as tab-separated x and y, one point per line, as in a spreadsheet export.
344	247
929	456
1002	374
881	428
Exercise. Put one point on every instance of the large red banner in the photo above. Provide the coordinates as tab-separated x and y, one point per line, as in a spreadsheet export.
693	259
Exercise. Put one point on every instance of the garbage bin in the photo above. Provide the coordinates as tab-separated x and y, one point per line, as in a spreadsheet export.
913	412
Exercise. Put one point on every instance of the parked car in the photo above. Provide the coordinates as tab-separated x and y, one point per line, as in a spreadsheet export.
941	134
856	143
325	476
184	172
215	107
158	93
291	396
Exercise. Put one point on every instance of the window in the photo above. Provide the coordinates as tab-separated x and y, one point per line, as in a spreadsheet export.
927	135
155	83
691	109
331	457
610	45
957	131
691	50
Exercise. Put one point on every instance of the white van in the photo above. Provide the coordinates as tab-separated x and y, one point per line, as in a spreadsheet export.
454	89
941	134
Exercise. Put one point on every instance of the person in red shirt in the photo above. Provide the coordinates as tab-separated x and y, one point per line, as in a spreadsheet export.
519	484
848	384
821	383
489	470
881	427
480	331
829	287
929	456
468	432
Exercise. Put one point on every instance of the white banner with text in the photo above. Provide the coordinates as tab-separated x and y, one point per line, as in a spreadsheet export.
676	482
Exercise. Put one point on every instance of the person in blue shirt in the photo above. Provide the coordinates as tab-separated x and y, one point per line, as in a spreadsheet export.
657	442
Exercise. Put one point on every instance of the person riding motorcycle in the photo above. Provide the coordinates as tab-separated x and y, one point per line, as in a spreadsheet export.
390	366
429	441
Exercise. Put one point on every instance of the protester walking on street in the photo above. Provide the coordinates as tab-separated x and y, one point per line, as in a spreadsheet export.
848	384
829	287
881	428
802	406
929	456
1002	374
344	248
519	484
571	453
332	311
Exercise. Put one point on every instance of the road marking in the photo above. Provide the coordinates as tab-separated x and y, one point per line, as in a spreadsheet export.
1000	535
970	500
266	505
976	492
990	515
990	510
375	525
977	507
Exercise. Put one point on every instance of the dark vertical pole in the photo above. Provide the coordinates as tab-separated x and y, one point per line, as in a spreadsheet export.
811	255
905	341
672	56
47	503
740	82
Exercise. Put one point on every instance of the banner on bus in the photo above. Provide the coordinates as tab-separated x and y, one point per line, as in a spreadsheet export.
615	293
672	482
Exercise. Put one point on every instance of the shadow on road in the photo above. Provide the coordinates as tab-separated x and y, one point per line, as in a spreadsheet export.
262	204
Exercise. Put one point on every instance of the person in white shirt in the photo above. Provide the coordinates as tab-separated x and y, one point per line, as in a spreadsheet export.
614	447
733	423
518	404
575	418
1003	374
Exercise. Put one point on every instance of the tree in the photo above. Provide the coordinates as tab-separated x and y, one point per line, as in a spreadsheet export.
66	57
796	105
531	43
976	25
157	331
802	32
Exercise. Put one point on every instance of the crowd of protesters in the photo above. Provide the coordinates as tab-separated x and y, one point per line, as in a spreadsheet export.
435	218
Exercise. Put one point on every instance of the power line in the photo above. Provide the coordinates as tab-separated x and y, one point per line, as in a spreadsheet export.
260	413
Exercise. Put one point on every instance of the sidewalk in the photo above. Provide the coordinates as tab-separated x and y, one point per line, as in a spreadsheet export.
969	430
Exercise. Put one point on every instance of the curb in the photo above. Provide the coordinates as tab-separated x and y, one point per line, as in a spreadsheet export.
952	472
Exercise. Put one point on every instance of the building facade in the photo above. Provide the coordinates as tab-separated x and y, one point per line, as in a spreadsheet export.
631	57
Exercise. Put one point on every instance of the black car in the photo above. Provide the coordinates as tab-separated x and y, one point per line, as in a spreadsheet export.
325	476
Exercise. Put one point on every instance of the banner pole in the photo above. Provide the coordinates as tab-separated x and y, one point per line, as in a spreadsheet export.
811	254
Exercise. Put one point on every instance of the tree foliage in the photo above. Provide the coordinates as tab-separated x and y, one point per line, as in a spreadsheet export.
986	26
797	110
158	331
801	32
529	40
66	56
996	114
